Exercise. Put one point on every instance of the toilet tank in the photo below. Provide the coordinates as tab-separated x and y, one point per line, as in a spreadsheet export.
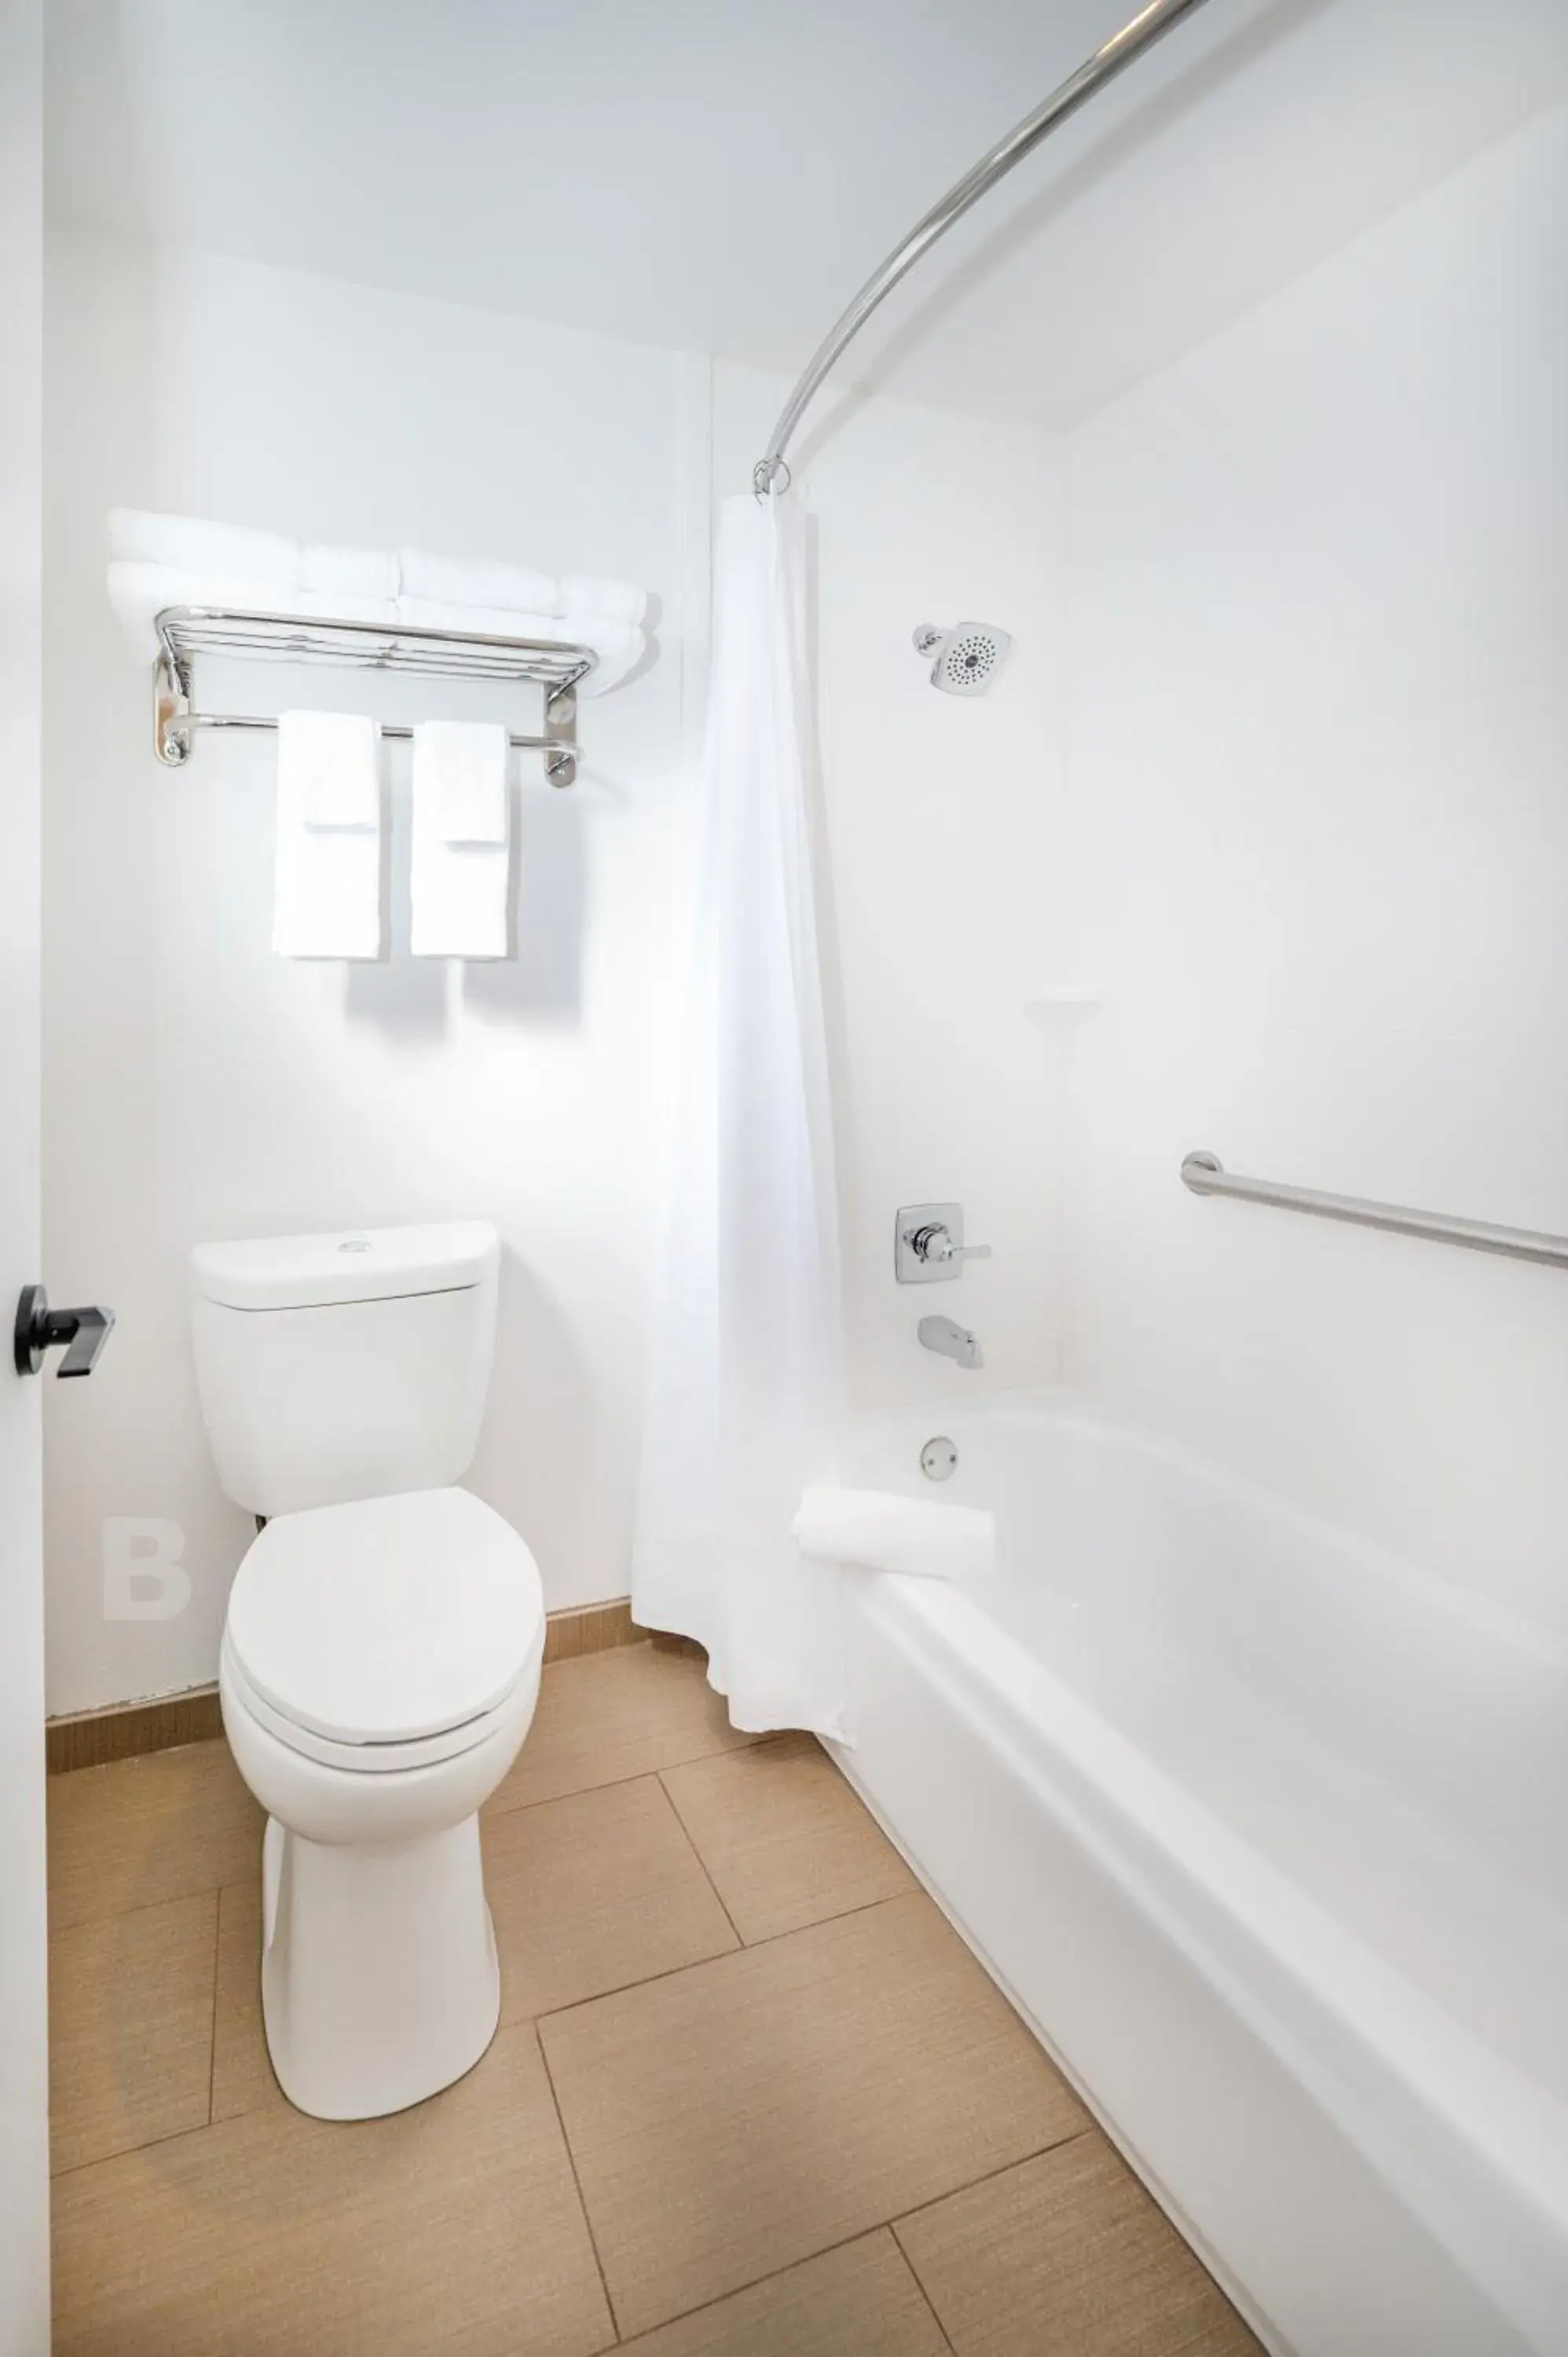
350	1365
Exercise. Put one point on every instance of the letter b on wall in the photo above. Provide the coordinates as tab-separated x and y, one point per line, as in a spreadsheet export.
144	1577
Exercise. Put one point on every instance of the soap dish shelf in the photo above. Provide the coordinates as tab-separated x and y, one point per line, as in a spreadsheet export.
186	631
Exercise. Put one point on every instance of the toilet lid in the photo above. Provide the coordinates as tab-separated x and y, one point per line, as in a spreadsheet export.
387	1619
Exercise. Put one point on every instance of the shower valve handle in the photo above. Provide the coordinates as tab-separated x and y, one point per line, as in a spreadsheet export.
935	1243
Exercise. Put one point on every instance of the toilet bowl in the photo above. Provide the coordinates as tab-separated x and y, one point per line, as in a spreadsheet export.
381	1654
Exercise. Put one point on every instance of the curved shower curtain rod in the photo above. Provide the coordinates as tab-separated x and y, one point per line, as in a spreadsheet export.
1106	63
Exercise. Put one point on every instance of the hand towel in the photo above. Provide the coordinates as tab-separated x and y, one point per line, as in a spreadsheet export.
476	581
460	863
460	766
330	758
608	601
881	1531
328	871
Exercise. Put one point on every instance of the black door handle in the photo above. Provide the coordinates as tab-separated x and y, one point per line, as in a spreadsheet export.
40	1329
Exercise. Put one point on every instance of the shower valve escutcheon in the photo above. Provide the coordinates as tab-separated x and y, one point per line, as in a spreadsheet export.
928	1245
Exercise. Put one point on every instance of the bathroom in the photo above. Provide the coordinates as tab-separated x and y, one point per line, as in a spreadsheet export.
1180	1884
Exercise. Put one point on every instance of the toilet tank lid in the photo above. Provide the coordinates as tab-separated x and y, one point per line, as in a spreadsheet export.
347	1264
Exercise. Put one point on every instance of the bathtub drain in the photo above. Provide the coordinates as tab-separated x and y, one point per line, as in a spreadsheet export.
939	1459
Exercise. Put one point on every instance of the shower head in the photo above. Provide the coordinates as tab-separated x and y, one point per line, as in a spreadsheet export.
967	657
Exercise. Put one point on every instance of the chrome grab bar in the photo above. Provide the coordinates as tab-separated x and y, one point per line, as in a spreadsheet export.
1204	1174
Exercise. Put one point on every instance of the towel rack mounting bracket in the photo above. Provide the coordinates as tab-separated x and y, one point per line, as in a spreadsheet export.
561	728
171	707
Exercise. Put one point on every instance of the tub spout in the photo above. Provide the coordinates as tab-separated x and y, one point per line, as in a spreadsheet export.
953	1341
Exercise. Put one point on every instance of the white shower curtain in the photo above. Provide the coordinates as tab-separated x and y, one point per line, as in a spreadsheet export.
744	1389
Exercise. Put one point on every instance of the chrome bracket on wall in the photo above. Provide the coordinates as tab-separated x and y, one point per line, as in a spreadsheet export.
561	729
171	707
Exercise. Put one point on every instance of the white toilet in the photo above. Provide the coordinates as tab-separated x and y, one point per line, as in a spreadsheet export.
380	1659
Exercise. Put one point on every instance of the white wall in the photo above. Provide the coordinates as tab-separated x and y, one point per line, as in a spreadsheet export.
198	1087
1319	711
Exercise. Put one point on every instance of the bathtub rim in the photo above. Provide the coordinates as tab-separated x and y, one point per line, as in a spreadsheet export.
1073	1412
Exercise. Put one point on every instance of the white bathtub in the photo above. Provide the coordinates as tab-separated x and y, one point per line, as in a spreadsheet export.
1266	1833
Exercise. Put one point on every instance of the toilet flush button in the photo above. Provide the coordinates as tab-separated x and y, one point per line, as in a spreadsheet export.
355	1243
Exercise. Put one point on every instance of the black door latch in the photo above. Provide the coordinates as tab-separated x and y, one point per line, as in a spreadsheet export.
83	1333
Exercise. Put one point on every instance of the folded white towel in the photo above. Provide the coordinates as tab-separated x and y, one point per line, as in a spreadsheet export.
881	1531
460	766
207	553
608	601
190	544
476	581
328	871
349	572
460	865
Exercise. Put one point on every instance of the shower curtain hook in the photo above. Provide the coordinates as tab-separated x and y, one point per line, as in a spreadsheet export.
765	483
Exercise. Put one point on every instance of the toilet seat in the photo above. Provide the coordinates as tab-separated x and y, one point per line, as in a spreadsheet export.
361	1758
385	1634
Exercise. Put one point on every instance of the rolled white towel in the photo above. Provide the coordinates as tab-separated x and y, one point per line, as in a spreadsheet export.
230	551
619	646
476	581
881	1531
348	572
610	601
140	592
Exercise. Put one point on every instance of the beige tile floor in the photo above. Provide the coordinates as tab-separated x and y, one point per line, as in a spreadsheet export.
750	2097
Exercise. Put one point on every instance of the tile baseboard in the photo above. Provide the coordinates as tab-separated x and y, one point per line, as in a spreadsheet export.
590	1628
87	1739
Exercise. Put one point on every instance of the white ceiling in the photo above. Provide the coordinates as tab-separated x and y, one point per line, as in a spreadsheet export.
720	175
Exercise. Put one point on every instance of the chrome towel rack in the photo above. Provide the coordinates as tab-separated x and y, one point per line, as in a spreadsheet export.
1204	1174
186	631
